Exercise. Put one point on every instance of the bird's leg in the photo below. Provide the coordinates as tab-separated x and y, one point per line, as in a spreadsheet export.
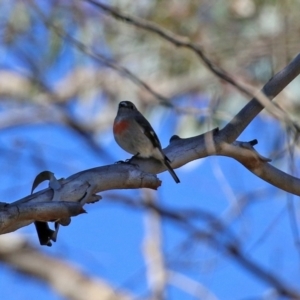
120	162
127	161
130	159
54	234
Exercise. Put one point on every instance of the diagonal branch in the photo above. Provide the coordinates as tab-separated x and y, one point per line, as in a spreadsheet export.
176	40
181	151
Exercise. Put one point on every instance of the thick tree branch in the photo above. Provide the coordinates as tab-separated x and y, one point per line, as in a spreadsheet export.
13	217
74	192
82	187
182	151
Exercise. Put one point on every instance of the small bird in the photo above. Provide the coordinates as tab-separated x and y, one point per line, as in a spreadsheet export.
134	134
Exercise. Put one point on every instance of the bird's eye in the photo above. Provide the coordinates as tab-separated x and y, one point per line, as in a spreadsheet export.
130	105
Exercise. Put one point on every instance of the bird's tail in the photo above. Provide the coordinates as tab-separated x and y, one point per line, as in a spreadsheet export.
171	171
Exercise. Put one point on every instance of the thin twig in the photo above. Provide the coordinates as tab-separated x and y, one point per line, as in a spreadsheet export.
101	58
176	40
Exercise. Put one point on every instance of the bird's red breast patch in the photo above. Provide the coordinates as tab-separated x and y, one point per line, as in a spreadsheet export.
120	126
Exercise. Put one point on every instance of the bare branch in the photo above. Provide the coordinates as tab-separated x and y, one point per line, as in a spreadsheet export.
193	287
181	151
12	217
78	189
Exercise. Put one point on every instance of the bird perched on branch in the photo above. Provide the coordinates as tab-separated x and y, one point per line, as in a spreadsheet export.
134	134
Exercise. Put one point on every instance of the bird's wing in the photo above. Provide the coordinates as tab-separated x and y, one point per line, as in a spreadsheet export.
148	131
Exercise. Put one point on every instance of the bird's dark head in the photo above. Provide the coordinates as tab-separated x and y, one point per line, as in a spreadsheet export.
127	104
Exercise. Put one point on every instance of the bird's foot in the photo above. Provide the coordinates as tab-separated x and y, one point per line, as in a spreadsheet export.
128	161
122	162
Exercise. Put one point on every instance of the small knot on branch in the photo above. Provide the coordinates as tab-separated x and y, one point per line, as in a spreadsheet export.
174	138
